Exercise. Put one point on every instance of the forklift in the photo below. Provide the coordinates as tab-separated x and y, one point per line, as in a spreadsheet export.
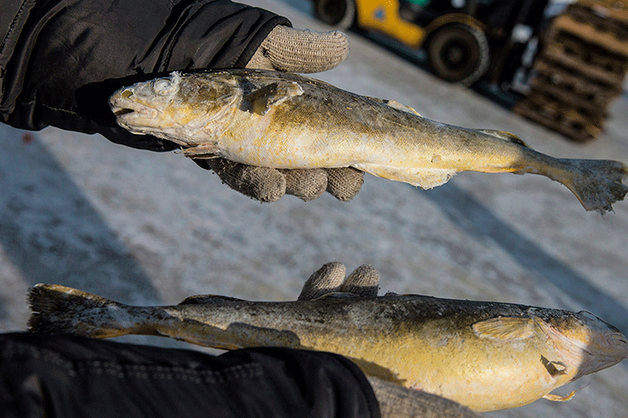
464	40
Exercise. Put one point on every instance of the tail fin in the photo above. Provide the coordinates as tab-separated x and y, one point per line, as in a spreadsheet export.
596	183
60	309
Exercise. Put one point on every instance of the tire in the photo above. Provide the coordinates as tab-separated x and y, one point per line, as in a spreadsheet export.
458	53
338	13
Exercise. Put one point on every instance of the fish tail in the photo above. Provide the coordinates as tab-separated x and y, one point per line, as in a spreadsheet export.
61	309
596	183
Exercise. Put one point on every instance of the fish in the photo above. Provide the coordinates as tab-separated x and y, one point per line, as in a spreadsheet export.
288	121
485	355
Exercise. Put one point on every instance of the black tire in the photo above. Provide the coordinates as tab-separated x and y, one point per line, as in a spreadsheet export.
458	53
338	13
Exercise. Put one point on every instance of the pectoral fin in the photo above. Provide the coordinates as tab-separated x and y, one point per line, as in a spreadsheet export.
504	328
261	100
558	398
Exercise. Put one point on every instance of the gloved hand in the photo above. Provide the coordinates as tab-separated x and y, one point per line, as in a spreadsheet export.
68	56
394	401
303	51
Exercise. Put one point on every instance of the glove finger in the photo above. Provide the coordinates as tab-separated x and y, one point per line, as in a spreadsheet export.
363	282
326	279
398	402
305	184
299	50
260	183
344	183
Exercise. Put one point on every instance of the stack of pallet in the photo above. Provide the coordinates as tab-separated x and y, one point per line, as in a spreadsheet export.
580	69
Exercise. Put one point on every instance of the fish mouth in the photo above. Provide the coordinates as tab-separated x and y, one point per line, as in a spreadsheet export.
123	107
122	111
132	114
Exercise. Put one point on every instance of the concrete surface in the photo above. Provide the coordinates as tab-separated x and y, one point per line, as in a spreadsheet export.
150	228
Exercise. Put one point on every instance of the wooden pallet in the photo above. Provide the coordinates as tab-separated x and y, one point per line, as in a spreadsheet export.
580	69
594	108
558	55
609	39
566	123
616	10
575	85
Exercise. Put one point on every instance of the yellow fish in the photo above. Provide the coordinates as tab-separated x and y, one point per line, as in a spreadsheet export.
485	355
280	120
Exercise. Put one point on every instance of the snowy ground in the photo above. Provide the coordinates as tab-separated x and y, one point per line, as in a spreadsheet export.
150	228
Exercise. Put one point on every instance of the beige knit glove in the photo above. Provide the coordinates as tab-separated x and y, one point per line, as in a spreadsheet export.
302	51
394	401
363	282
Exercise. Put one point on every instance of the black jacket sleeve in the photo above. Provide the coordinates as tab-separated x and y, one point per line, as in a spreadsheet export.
60	59
65	376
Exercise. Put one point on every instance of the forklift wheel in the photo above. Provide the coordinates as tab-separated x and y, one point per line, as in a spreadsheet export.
458	53
338	13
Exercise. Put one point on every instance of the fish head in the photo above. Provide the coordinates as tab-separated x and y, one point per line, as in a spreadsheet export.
586	343
176	105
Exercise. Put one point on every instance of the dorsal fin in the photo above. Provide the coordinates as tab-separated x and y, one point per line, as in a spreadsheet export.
506	136
272	94
504	328
208	299
337	295
395	105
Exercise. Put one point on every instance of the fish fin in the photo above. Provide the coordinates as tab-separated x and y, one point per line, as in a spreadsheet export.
337	295
208	299
554	368
262	99
61	309
203	151
506	136
558	398
596	183
426	178
395	105
504	328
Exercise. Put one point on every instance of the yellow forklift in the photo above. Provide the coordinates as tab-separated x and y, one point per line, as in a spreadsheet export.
464	40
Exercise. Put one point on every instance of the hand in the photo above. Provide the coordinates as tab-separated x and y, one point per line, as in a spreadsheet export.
72	55
363	282
394	401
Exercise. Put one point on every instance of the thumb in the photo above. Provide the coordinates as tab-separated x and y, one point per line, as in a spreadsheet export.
300	50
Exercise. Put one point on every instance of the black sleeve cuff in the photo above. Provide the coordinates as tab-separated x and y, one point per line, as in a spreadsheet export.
66	376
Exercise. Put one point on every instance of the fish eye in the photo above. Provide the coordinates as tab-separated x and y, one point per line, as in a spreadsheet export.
163	86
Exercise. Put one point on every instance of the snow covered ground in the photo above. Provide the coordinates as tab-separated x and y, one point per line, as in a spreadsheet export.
150	228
